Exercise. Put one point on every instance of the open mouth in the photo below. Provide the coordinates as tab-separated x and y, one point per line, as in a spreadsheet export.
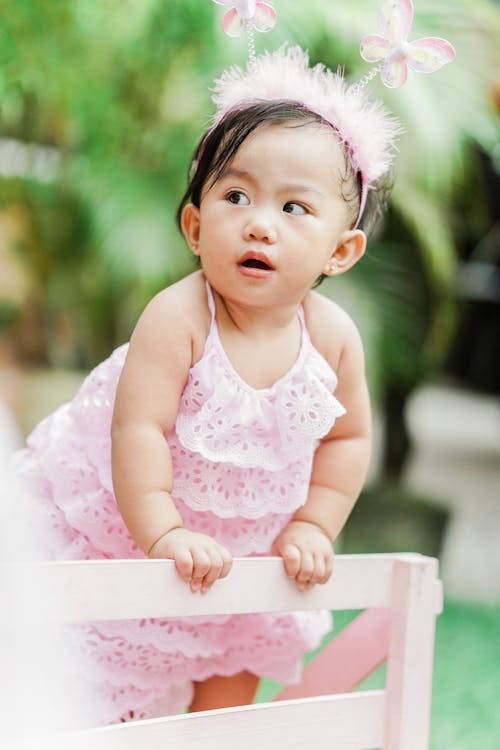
254	263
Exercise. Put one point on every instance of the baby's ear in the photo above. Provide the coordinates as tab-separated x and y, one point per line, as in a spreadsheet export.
350	248
190	224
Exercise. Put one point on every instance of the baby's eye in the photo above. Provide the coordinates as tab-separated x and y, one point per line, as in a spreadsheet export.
294	208
237	198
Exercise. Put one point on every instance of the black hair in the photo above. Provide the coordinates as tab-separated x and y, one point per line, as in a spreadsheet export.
218	147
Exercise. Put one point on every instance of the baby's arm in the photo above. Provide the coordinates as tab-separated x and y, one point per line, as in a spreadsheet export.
153	377
339	468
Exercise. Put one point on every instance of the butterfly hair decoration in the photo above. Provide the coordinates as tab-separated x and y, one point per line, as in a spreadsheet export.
395	54
247	15
244	13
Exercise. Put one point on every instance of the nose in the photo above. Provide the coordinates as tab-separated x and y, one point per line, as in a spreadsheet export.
261	228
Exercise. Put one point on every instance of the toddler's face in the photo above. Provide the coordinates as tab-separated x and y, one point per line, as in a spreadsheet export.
268	227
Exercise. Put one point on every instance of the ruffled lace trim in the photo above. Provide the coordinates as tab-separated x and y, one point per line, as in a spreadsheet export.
92	410
241	536
133	664
224	420
229	490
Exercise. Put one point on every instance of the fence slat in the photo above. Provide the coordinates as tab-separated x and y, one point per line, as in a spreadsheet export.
121	589
343	722
352	655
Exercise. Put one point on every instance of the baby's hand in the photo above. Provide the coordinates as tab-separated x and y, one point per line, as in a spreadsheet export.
199	559
307	553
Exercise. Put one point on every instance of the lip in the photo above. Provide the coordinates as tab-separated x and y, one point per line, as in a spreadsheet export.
255	272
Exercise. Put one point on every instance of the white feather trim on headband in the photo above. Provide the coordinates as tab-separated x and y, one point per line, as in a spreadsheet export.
365	126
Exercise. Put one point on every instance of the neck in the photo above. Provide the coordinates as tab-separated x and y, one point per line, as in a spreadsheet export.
254	321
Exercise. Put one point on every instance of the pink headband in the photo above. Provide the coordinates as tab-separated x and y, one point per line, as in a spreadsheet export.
364	126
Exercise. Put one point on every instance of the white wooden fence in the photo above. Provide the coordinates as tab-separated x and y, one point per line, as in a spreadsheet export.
400	593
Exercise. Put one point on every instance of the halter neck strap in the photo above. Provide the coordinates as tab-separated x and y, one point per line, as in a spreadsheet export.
210	300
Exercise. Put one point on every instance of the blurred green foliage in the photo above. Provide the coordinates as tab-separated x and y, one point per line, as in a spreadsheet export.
117	93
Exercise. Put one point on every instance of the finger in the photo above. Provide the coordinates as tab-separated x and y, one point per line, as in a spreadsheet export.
328	567
291	558
306	571
306	567
214	571
201	566
227	561
184	563
319	568
222	568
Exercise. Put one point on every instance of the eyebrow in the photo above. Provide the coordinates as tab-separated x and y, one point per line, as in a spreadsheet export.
295	187
232	172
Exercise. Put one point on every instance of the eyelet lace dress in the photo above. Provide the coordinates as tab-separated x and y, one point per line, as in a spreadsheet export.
242	462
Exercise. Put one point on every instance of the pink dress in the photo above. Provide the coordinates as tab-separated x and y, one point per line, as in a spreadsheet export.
242	462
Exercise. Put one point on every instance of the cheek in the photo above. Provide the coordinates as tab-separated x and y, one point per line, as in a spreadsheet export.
213	240
211	234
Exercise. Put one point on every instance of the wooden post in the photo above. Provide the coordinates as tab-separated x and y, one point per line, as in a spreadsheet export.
411	653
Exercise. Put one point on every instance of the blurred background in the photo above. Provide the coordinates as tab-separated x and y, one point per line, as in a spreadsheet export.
101	106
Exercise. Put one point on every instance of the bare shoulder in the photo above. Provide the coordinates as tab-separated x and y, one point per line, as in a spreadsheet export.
332	330
178	315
